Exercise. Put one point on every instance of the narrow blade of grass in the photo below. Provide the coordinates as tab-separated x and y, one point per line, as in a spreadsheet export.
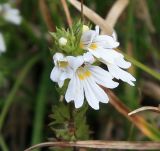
40	107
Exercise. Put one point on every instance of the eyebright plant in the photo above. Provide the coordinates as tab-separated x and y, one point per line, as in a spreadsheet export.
78	50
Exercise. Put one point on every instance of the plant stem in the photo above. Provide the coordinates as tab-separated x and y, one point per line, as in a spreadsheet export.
15	88
82	16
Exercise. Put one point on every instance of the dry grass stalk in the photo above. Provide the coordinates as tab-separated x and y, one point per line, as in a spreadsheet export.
143	13
145	108
115	12
67	13
93	17
46	15
138	121
101	145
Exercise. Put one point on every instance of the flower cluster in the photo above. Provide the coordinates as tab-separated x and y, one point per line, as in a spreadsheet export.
11	15
80	66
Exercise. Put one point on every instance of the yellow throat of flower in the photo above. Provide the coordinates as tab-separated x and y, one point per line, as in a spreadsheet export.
83	73
93	46
62	64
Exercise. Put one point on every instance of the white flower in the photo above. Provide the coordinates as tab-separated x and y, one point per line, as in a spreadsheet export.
62	41
2	44
85	83
84	79
102	47
10	14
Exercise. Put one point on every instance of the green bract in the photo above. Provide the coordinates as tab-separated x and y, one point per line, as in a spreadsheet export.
70	126
73	36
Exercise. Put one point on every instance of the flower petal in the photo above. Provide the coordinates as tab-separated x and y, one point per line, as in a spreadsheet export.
121	74
97	30
63	76
79	99
58	57
106	41
114	35
100	95
78	95
95	53
60	83
107	55
69	96
75	62
122	63
87	37
88	58
90	96
55	74
103	77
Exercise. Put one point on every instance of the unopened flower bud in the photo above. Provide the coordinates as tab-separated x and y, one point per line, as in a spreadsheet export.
85	28
62	41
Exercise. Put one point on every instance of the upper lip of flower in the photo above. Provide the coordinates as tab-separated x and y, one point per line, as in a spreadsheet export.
91	37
